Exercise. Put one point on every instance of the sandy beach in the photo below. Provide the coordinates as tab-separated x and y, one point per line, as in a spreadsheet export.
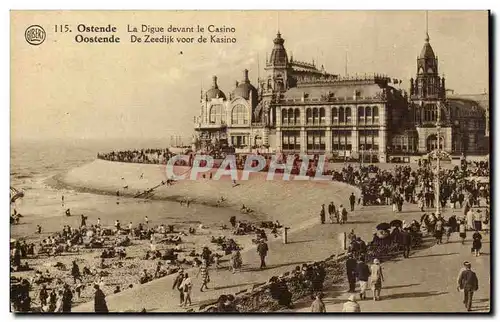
294	204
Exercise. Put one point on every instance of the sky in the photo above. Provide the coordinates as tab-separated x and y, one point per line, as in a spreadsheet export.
62	89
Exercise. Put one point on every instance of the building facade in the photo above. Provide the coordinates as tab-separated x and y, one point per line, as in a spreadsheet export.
300	108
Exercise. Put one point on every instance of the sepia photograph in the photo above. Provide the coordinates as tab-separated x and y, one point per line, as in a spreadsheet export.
294	162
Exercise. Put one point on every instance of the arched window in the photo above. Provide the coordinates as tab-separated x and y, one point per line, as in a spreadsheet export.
315	116
432	142
368	114
375	114
341	115
296	118
217	114
239	115
322	116
284	116
361	114
335	115
290	116
309	116
348	116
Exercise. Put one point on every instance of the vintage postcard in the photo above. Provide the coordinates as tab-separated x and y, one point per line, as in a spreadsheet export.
250	161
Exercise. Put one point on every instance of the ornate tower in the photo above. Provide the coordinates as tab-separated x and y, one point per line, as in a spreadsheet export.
428	95
277	67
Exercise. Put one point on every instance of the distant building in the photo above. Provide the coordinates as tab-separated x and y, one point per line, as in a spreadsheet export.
298	108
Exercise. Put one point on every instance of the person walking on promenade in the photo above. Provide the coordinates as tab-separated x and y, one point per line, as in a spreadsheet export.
462	231
100	305
318	306
362	273
344	215
322	214
262	249
406	241
351	305
438	230
350	266
205	277
177	284
468	282
476	243
186	287
352	201
331	212
377	277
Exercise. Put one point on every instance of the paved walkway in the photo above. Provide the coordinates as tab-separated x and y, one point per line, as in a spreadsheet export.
425	282
411	285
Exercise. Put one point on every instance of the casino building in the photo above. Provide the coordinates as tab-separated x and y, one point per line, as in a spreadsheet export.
300	108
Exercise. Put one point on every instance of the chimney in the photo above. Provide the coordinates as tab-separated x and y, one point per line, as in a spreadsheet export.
245	76
214	82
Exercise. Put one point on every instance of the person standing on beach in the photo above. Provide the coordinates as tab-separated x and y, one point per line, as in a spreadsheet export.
62	201
146	220
467	281
177	284
100	305
322	214
205	277
262	249
67	299
352	200
75	272
186	287
98	223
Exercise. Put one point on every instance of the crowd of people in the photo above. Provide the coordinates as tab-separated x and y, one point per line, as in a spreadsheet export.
154	156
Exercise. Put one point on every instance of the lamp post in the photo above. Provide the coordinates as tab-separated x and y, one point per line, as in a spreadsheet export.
362	155
438	156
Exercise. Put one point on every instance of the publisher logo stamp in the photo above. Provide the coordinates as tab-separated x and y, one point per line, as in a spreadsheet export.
35	35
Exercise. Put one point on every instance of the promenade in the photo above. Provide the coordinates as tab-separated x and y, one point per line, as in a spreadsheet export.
426	282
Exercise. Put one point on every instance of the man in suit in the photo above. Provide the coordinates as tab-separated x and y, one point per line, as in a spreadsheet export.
468	282
351	265
262	249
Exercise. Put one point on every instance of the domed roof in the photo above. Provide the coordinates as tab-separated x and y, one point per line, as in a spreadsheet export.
215	92
245	89
427	51
278	55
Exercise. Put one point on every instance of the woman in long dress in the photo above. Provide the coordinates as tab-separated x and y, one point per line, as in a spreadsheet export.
100	305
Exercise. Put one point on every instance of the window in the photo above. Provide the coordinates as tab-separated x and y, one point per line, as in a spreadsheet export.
348	116
315	116
341	140
322	116
368	140
361	114
375	114
430	113
217	114
239	115
341	115
335	116
284	116
296	117
291	140
368	115
316	140
290	116
309	116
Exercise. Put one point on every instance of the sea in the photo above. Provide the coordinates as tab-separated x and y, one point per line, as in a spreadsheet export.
35	166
